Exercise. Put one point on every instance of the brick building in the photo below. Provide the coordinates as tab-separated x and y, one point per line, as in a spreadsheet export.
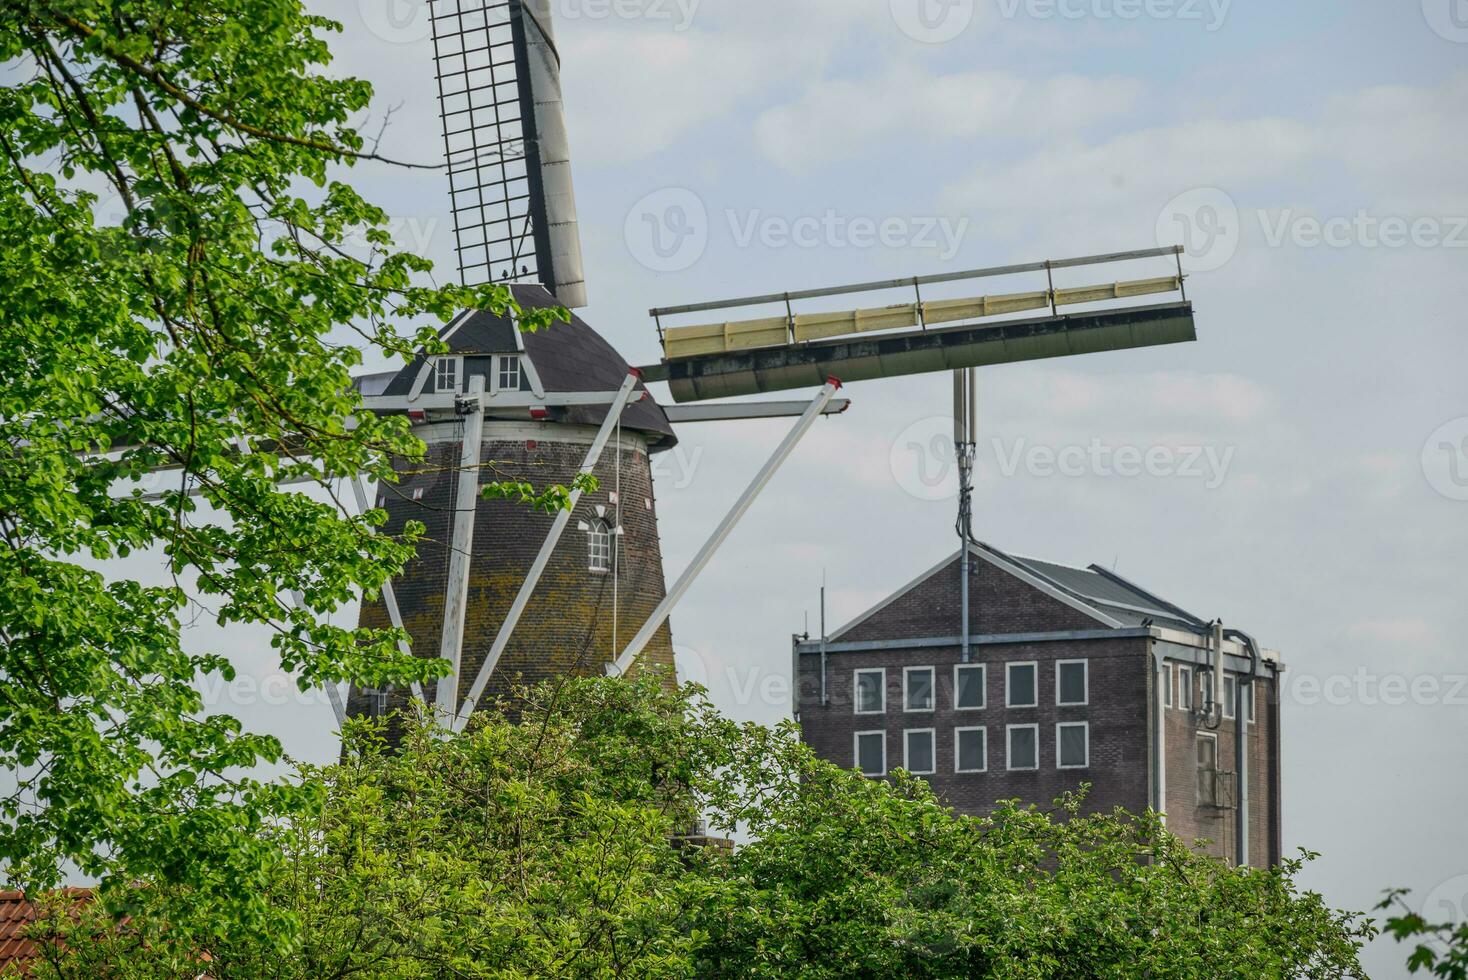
1074	676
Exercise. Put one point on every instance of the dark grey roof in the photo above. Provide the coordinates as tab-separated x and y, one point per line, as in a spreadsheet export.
568	357
1111	594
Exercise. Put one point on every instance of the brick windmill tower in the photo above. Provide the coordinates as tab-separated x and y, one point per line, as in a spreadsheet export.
538	413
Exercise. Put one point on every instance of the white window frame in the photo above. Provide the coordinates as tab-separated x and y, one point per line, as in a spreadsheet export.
957	756
1167	685
1199	770
1185	687
1086	726
856	690
508	361
932	691
1009	686
983	670
856	753
1230	695
456	369
932	734
1251	703
1009	748
599	544
1085	677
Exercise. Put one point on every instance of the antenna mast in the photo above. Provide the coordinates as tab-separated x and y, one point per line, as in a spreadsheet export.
965	442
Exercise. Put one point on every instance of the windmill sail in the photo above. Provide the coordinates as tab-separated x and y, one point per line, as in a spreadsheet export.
504	126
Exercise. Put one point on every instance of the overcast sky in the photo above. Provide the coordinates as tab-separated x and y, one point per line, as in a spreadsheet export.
1308	469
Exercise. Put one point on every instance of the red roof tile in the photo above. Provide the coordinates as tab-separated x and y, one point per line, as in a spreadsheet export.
17	912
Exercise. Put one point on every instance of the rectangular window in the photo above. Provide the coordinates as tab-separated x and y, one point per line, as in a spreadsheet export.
508	376
1072	745
1072	683
917	689
871	691
1205	688
871	753
970	750
1167	683
1208	770
447	374
919	756
970	687
1021	686
599	547
1230	696
1250	693
1185	688
1024	747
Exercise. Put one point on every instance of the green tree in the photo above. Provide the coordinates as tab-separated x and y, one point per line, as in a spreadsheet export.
553	846
1439	948
212	328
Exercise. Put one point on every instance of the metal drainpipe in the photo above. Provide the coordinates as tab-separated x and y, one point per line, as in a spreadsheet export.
1241	744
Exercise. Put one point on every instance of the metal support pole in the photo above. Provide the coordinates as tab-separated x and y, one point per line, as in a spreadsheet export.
741	507
333	693
965	424
527	588
389	595
825	695
466	507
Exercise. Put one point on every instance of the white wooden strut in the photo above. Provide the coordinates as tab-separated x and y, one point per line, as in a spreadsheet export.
706	553
527	588
389	595
466	508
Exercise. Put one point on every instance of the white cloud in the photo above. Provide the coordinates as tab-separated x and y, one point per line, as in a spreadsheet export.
842	118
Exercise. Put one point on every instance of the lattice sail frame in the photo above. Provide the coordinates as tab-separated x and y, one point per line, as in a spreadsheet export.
513	207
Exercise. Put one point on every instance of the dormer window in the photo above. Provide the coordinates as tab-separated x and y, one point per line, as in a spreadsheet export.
509	374
448	374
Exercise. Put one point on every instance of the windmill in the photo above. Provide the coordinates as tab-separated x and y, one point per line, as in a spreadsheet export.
504	594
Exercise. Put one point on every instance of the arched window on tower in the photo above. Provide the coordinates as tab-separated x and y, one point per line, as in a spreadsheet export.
599	546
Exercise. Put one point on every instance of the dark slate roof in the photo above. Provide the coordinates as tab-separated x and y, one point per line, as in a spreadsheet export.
1111	594
568	357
